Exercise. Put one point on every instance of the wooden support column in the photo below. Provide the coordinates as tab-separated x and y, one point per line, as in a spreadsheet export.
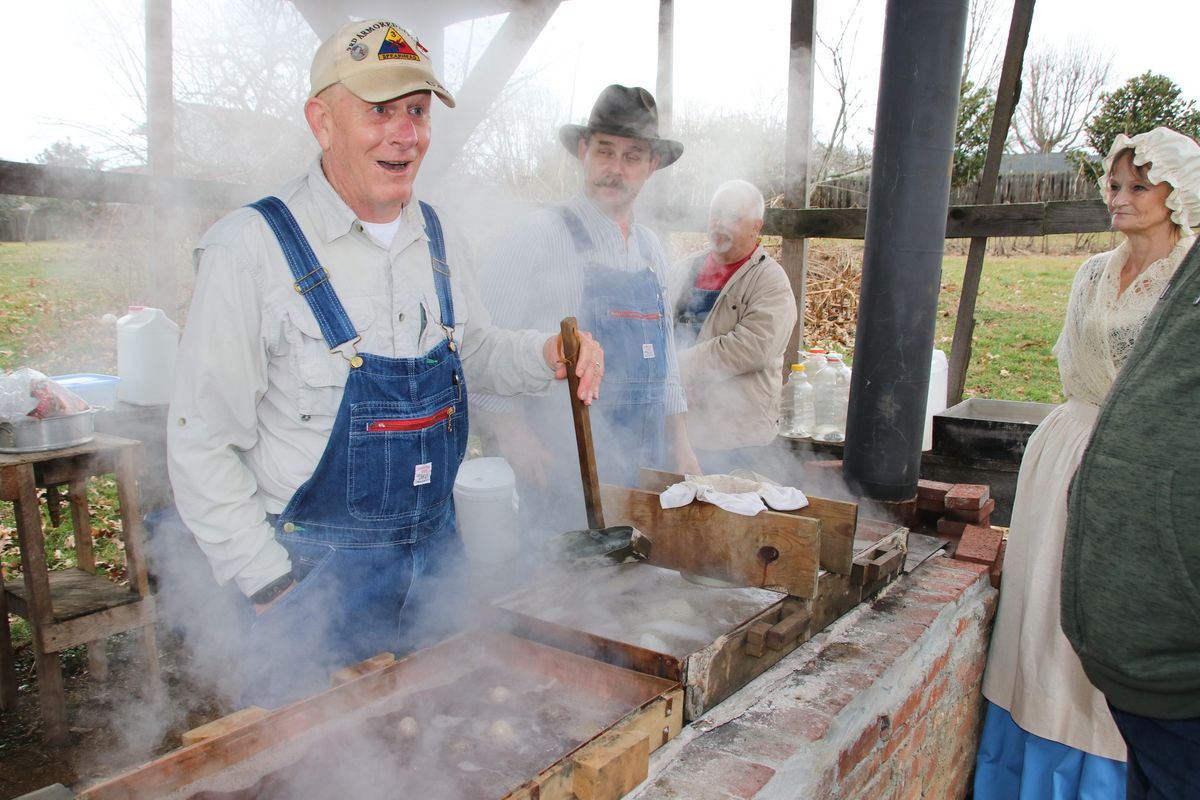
664	98
664	87
161	285
799	144
1007	96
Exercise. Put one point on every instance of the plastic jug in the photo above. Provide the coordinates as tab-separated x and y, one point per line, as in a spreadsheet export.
831	397
485	502
939	376
814	362
147	343
796	405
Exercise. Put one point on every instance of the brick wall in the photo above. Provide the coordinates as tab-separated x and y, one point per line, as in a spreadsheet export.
884	704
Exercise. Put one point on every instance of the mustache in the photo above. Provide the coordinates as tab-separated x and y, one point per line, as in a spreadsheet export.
610	182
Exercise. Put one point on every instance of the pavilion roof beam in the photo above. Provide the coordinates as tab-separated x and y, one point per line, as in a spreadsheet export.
489	76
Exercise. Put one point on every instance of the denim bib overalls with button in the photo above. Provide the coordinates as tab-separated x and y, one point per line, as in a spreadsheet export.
377	512
624	312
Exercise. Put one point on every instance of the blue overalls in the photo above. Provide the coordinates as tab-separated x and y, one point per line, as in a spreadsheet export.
377	513
624	312
692	314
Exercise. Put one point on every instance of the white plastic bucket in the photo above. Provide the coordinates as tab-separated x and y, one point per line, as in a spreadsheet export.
939	376
147	343
485	502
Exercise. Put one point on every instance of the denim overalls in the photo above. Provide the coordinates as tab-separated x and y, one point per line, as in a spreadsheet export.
693	313
624	312
377	512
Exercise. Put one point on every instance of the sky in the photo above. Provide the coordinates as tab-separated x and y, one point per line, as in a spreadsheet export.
724	62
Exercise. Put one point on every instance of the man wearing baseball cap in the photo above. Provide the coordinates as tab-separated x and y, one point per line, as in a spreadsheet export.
319	416
590	259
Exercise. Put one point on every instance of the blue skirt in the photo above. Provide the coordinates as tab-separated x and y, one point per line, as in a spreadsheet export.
1015	765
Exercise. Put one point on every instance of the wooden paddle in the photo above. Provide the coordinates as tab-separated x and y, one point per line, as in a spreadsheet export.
583	427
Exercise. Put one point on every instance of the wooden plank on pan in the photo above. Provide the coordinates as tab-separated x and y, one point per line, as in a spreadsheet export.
839	519
769	550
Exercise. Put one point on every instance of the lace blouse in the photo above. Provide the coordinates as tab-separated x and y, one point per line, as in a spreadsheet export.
1100	327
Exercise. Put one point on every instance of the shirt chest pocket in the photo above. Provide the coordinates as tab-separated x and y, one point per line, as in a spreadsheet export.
317	376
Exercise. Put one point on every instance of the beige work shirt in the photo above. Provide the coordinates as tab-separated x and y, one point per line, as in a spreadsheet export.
257	387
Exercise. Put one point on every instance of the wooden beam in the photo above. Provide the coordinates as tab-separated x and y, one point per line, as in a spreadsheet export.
73	183
1007	96
794	257
488	79
160	151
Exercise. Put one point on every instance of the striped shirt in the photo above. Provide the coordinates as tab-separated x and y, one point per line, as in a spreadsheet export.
534	278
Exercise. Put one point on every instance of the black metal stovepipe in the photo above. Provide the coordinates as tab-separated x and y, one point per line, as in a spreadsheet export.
905	238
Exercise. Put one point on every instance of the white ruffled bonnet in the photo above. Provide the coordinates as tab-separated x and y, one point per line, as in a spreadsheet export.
1173	158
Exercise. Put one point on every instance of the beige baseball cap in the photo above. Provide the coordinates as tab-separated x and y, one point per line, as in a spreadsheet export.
378	61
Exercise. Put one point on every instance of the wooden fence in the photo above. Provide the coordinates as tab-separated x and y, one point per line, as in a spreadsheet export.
851	192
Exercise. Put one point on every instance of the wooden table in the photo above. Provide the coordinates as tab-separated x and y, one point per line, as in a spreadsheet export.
66	608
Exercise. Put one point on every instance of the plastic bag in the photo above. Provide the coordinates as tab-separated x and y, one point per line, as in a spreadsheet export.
28	393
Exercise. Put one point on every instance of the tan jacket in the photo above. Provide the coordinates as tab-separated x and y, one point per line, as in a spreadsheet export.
733	375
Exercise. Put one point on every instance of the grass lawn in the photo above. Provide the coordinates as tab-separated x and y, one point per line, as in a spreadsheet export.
1018	315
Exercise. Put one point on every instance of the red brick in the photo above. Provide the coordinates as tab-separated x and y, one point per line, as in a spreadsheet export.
976	516
930	504
950	527
901	715
980	545
864	744
932	490
998	567
967	495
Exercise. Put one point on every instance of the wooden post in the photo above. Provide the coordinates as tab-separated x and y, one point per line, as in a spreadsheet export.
664	86
1007	95
799	144
160	151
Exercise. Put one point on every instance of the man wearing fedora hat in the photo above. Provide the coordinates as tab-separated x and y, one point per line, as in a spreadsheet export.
319	415
588	258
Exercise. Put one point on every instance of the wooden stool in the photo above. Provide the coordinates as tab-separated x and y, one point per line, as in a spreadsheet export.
70	607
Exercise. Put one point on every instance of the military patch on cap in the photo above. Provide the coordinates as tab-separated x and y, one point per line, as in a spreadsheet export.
394	46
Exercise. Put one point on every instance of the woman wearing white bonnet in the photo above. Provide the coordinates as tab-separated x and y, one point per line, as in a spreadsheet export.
1047	732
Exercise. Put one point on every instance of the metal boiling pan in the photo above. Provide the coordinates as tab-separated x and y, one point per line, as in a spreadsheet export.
53	433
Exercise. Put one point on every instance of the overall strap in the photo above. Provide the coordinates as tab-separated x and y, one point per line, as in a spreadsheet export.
583	242
441	269
312	280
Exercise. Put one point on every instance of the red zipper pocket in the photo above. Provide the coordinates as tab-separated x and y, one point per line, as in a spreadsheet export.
420	423
635	315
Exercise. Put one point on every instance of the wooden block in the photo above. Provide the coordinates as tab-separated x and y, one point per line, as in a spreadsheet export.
222	726
975	516
756	638
770	550
932	490
967	495
609	767
372	664
979	545
787	630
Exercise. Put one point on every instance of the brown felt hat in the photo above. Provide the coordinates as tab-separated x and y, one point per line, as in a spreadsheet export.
624	111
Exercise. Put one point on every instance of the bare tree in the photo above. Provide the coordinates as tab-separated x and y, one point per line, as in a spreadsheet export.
986	20
835	65
1060	92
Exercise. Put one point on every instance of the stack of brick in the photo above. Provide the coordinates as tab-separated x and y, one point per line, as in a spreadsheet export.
962	512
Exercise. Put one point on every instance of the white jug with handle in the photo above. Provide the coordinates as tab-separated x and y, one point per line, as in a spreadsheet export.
147	343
